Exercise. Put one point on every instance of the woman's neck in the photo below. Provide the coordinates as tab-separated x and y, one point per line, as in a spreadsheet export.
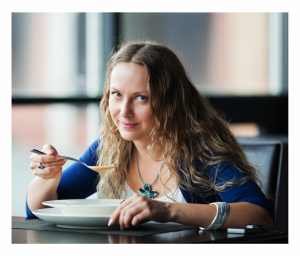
155	153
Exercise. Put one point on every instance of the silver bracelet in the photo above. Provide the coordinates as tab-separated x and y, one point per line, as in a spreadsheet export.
221	216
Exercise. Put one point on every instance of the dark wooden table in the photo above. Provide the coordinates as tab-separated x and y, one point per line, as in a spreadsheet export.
22	236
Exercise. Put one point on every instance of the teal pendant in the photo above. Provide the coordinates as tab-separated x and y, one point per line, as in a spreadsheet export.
147	192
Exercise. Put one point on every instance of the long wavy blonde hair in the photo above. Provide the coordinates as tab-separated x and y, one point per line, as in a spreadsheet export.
188	127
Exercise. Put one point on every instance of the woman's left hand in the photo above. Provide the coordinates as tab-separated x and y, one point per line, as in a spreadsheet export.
138	209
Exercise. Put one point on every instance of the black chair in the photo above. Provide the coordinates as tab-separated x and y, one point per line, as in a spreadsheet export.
267	156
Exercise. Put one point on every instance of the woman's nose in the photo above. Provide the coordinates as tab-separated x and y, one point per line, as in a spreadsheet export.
126	109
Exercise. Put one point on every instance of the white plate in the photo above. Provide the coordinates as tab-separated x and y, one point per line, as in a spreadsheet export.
79	207
54	215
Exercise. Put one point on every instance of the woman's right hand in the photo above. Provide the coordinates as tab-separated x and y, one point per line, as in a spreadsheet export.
52	162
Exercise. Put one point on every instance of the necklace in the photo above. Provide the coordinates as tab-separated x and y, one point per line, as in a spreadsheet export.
147	188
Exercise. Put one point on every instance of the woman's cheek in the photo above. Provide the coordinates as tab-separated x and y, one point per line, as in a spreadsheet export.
113	110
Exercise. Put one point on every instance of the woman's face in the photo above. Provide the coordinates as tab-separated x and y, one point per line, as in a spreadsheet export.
129	102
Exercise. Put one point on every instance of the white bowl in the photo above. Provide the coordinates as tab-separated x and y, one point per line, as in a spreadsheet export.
53	215
86	207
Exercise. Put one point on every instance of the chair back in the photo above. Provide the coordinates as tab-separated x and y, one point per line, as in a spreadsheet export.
267	156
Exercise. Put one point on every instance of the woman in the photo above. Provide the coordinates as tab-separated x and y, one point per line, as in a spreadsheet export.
169	145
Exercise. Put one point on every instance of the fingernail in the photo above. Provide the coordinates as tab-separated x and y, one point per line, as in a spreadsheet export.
121	227
109	222
58	157
126	226
50	151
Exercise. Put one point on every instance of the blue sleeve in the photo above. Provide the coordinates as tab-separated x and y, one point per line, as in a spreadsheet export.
249	191
78	181
28	212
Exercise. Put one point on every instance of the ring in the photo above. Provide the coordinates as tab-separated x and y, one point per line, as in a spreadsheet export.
40	166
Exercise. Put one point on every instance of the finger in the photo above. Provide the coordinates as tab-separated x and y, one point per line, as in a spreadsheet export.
141	217
49	149
131	214
121	218
129	210
35	164
58	163
44	158
115	215
47	172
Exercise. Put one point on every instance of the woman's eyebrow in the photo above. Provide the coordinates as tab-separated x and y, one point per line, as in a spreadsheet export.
139	92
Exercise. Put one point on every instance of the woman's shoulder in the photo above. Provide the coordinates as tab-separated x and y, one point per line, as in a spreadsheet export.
94	146
91	155
221	171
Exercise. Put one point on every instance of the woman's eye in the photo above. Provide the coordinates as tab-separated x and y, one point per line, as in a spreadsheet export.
116	94
142	98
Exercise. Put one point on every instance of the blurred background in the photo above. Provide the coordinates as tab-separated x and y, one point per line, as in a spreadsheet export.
239	61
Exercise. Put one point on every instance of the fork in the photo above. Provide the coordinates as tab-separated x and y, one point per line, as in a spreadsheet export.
94	168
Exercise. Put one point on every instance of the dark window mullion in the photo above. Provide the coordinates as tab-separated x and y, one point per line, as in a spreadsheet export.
32	101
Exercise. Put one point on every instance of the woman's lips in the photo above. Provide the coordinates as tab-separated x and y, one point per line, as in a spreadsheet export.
128	125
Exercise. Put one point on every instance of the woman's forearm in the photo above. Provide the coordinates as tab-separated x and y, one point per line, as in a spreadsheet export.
41	190
202	215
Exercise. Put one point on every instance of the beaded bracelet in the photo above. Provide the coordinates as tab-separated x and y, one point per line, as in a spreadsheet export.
221	216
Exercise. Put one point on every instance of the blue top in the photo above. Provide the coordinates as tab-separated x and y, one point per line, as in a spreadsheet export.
79	182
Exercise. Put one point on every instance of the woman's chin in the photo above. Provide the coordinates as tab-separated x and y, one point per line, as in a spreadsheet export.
128	136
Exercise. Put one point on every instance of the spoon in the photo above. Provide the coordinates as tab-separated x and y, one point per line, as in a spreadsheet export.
94	168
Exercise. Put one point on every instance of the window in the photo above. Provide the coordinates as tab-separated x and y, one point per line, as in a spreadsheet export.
57	55
224	53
